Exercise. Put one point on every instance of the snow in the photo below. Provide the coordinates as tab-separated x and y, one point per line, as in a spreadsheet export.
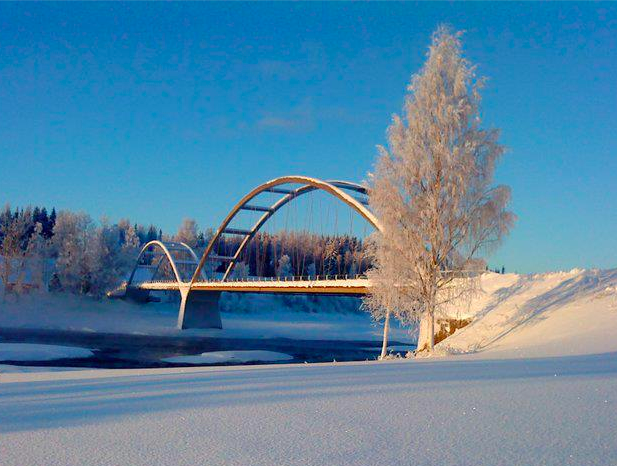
403	349
539	387
38	352
234	357
452	411
246	316
541	315
10	368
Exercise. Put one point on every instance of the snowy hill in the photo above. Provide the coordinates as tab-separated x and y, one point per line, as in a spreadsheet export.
551	314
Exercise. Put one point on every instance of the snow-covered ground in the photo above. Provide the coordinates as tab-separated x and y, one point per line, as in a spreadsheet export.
455	411
38	352
213	357
11	368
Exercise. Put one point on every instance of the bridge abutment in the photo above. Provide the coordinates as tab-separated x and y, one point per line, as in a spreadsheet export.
199	309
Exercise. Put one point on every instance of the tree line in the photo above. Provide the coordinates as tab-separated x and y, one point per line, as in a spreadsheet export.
68	251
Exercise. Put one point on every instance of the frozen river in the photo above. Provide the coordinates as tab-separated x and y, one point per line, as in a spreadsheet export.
147	351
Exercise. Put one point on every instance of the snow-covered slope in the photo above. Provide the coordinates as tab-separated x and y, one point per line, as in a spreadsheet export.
548	314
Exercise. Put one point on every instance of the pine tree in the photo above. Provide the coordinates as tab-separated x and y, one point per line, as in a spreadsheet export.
49	228
45	222
151	235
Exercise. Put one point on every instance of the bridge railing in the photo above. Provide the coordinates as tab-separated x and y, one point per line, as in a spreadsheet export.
312	278
326	277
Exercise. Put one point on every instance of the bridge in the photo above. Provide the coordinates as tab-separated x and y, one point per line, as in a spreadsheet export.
200	294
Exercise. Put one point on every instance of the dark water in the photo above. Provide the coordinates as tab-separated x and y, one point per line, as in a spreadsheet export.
142	351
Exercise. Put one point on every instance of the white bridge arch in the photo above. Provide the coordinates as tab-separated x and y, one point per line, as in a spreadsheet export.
308	184
166	249
199	300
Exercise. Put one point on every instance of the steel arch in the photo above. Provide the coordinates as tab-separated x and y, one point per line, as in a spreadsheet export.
165	247
334	187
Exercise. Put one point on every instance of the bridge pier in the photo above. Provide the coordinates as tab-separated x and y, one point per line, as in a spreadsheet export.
199	309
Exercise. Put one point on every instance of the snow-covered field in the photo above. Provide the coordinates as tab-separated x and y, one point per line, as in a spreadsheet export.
456	411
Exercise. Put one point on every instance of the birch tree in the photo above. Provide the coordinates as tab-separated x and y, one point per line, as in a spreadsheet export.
187	233
432	190
73	233
105	259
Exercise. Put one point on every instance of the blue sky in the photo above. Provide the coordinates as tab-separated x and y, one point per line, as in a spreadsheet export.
162	111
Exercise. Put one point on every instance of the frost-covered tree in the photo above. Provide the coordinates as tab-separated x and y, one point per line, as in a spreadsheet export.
353	269
311	270
105	259
283	268
240	271
130	245
187	233
432	190
14	230
37	254
330	255
72	235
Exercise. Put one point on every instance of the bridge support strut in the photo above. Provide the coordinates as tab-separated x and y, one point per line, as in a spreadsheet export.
199	309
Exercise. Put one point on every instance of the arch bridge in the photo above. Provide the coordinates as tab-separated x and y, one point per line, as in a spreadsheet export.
165	266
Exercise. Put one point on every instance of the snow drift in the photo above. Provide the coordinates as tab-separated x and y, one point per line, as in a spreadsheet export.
561	313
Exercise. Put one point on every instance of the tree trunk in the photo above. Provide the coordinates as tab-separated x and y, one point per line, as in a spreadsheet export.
431	331
431	323
422	343
6	275
386	329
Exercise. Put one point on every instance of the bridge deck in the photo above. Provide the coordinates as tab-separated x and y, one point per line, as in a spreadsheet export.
334	287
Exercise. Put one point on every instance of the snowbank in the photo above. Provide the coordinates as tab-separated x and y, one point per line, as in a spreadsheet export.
37	352
552	314
233	357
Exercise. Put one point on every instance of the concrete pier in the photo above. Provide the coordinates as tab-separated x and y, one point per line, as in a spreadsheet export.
199	309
